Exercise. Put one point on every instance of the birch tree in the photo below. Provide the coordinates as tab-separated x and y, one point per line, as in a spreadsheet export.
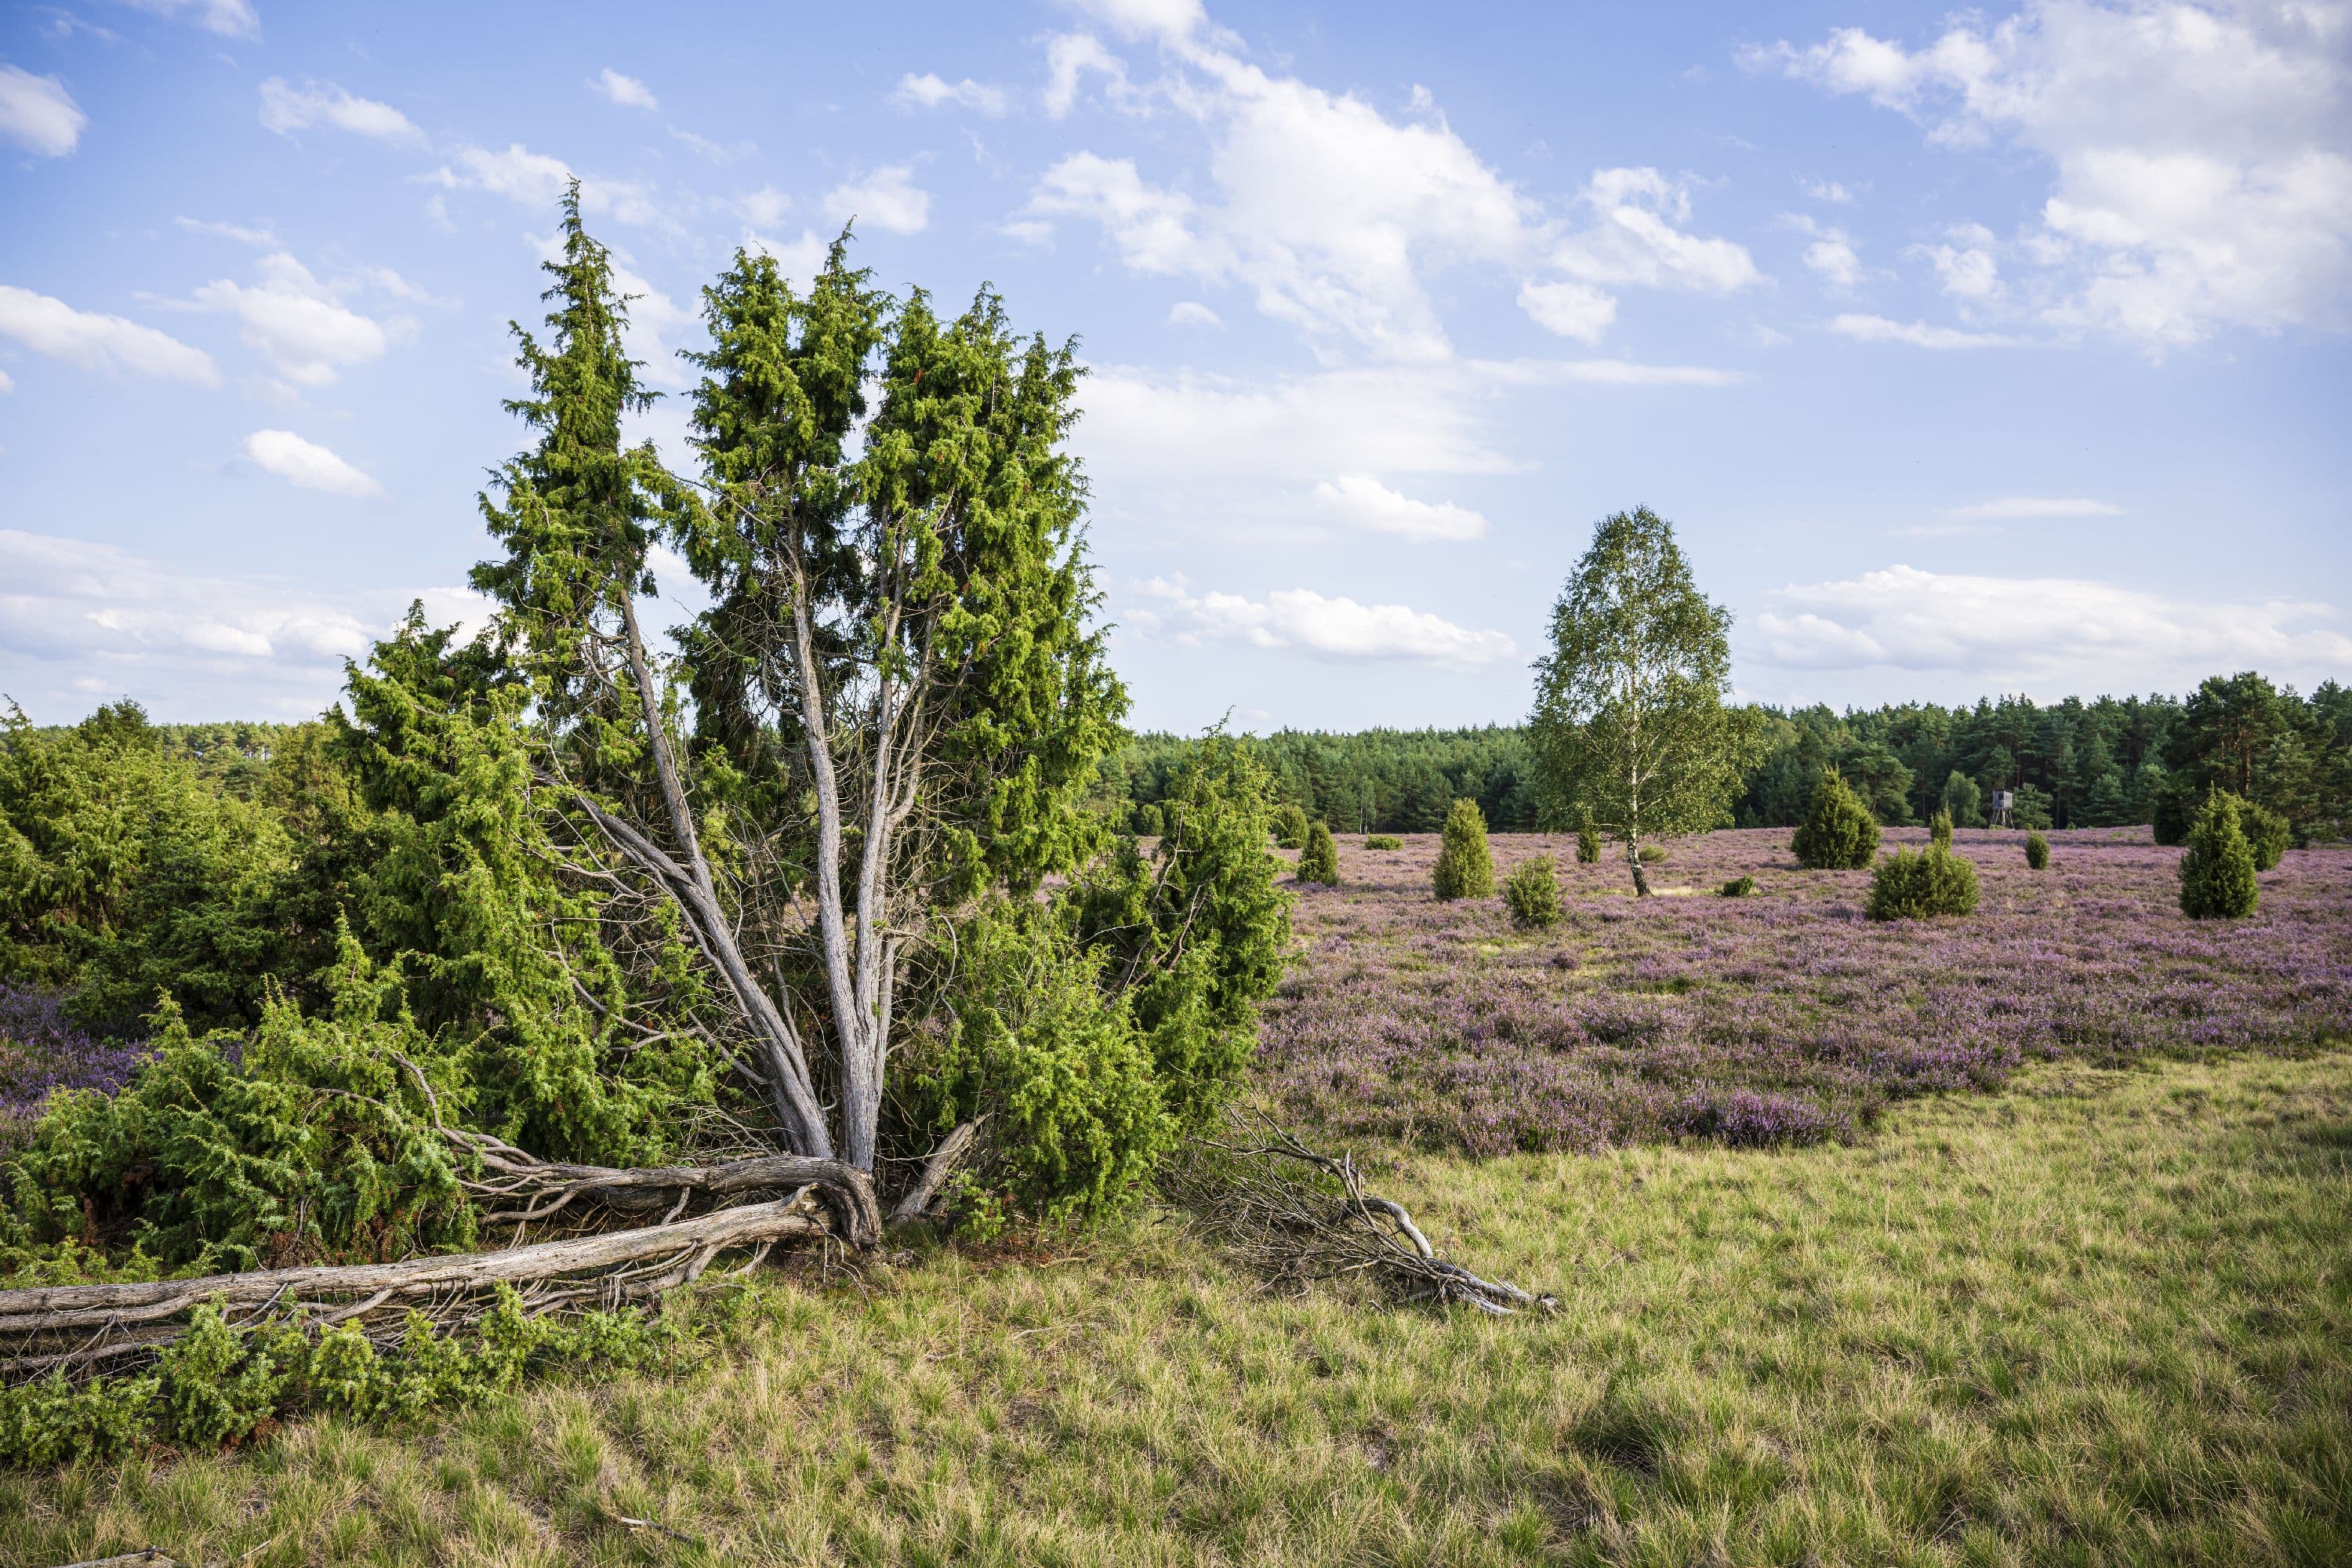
1631	721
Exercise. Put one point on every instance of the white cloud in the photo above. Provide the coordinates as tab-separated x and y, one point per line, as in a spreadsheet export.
519	175
1833	258
625	90
1918	334
764	208
287	109
1361	501
1573	310
1169	21
887	199
93	341
1304	620
7	382
1192	313
800	259
2046	634
1826	191
2203	179
1636	240
1068	59
1966	270
263	238
929	90
189	645
1154	229
308	465
716	152
229	18
37	114
2012	507
299	322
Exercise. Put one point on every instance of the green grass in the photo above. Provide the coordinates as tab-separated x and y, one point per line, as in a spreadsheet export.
2102	1318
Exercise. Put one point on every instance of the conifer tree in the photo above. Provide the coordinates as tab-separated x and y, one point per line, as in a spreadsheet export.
1319	861
1465	869
1838	834
2217	873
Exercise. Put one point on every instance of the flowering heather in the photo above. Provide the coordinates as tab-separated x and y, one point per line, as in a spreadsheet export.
1784	1017
39	1051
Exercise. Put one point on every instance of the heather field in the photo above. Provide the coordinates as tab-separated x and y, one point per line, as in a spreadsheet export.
1783	1018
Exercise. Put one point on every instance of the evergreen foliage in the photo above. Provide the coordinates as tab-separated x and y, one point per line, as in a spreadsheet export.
1289	825
2217	873
1962	800
2268	834
1922	885
1739	888
1531	893
1940	828
1631	722
1838	834
1588	841
1318	862
1465	868
2037	851
1383	841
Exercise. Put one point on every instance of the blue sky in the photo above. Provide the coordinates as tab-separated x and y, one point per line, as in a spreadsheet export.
1969	352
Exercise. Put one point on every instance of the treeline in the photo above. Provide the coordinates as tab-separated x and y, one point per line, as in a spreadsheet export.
2106	762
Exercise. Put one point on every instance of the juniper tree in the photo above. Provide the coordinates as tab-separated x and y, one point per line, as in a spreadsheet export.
1466	867
1630	717
896	696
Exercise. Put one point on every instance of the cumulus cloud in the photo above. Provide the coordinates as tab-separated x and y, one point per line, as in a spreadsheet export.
1361	501
286	110
2045	634
80	622
930	90
1825	191
37	114
1918	334
625	90
1968	267
2202	176
95	341
307	464
298	322
887	199
1303	620
1192	313
1337	215
2009	507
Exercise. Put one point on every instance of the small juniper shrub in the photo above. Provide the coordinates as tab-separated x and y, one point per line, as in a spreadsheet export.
1383	841
2217	874
2268	834
1588	841
1739	888
1532	894
1465	869
1290	827
2037	851
1910	886
1318	862
1148	821
1838	834
1654	855
1940	828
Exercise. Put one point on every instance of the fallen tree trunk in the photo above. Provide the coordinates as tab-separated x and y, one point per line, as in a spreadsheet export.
77	1326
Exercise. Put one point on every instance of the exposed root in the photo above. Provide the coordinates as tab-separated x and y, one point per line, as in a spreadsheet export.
1295	1214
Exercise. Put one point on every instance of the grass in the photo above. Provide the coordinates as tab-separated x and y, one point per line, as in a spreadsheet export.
2101	1316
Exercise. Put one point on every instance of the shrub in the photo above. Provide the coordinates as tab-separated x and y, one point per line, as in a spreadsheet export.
1838	834
1290	827
1934	881
2037	850
2173	811
1466	869
1963	801
1149	824
1939	829
2267	833
1739	888
1532	893
1319	861
1588	841
1655	854
2217	874
1383	841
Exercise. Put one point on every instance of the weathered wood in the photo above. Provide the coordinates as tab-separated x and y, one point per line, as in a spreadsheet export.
936	1170
109	1321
